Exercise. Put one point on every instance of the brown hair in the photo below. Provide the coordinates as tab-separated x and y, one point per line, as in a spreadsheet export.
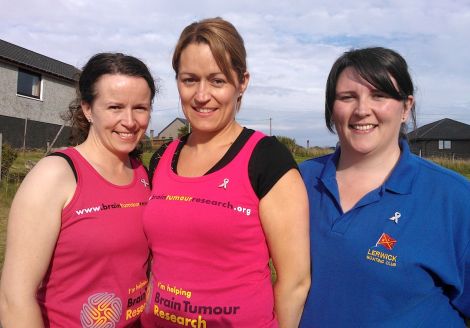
223	39
97	66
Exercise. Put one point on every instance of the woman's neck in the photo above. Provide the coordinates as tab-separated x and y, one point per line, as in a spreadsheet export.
359	174
225	137
378	162
203	150
103	160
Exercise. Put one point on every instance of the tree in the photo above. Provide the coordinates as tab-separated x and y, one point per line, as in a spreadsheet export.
183	130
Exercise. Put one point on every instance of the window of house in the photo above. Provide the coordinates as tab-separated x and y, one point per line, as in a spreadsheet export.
29	84
444	144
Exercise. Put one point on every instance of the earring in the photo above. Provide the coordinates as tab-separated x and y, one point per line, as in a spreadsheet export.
89	120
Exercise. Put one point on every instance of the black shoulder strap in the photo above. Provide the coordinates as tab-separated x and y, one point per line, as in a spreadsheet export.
69	160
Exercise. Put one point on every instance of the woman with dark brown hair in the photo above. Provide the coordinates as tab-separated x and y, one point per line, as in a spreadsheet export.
76	252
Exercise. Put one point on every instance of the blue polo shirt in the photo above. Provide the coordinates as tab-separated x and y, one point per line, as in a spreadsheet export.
399	258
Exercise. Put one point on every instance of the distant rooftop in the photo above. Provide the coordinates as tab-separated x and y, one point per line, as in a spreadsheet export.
445	129
16	54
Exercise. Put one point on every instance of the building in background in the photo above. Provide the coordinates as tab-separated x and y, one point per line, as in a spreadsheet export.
34	92
443	138
172	130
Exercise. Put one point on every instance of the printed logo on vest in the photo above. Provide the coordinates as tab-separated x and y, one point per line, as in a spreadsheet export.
224	184
145	182
381	257
102	310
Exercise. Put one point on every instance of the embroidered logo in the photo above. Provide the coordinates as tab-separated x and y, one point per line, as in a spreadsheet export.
382	257
145	182
386	241
395	217
224	184
101	310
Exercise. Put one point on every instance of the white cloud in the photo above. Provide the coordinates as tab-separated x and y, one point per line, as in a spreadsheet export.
291	47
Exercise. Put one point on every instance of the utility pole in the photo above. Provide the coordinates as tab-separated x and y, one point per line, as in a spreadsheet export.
270	126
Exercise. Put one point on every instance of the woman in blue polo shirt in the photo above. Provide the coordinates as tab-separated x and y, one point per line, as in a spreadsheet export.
390	232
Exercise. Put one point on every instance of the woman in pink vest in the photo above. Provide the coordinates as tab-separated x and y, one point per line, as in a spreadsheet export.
225	200
76	251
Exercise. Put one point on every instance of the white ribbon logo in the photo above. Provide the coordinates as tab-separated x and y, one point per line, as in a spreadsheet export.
224	184
144	182
395	217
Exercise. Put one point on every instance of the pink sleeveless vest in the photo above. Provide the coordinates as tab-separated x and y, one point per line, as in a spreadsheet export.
97	275
210	258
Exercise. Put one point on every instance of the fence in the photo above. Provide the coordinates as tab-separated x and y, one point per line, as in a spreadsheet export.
1	144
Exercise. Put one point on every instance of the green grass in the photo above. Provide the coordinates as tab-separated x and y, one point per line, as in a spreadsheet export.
459	165
303	154
4	207
146	158
8	187
7	192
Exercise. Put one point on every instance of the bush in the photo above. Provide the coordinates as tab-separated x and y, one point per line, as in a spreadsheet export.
288	142
9	155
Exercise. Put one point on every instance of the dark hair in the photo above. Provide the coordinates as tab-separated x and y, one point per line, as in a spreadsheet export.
375	65
97	66
222	38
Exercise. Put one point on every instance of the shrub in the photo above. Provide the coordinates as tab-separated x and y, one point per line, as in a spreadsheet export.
288	142
9	155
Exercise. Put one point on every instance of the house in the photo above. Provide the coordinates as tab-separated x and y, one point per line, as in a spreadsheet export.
443	138
171	131
34	91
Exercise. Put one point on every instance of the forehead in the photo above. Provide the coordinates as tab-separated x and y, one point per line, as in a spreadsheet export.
118	81
350	77
119	85
197	57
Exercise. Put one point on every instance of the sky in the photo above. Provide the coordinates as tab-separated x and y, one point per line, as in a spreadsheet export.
291	46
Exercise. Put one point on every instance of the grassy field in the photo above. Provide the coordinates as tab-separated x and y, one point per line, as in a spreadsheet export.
8	187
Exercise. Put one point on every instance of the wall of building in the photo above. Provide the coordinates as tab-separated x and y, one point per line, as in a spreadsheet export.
43	116
430	148
171	132
56	96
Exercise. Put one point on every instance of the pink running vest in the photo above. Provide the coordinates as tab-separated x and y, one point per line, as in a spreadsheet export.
210	258
97	275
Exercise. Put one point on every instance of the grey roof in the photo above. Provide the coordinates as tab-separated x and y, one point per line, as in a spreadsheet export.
24	57
182	120
445	129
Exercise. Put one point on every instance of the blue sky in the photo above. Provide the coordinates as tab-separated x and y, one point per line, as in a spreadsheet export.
291	46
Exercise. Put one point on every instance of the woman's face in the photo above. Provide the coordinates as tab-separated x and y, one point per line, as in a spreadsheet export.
120	112
367	120
209	101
